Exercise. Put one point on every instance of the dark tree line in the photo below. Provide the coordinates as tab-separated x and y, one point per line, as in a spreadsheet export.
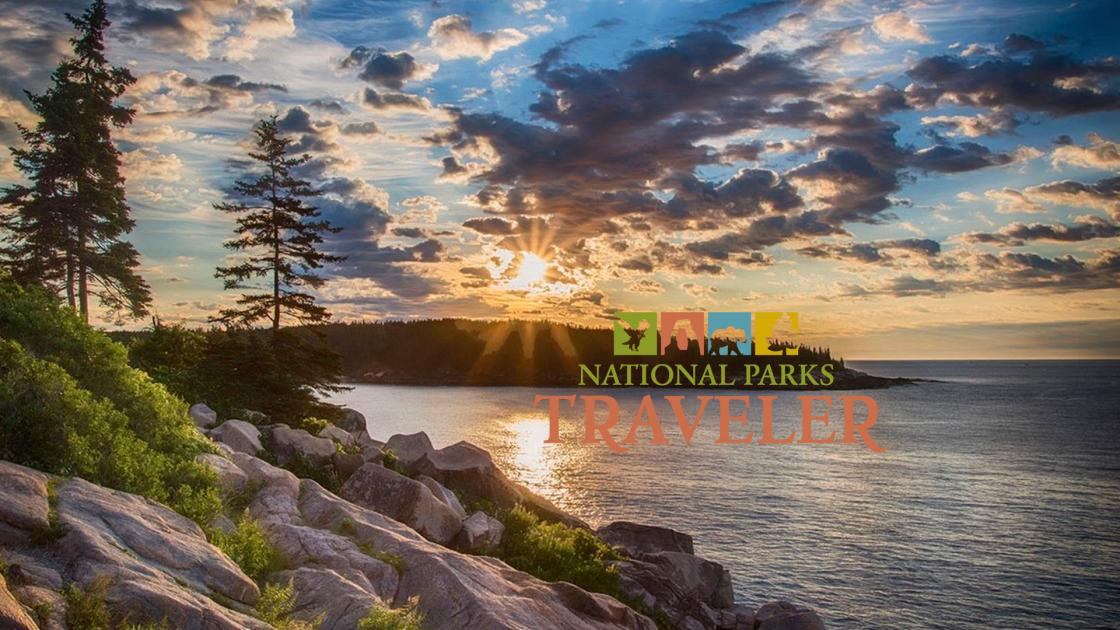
459	351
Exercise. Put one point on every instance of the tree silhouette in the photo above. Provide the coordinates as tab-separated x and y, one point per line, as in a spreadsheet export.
281	233
67	226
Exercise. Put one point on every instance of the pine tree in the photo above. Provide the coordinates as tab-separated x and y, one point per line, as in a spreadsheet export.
278	234
67	226
281	233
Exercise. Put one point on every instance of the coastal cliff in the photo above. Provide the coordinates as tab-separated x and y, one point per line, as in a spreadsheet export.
361	535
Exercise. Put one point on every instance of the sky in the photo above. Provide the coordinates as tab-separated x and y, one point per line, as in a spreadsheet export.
917	179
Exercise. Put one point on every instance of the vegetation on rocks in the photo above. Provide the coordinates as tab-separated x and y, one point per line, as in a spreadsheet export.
406	617
556	552
85	608
248	547
71	405
276	605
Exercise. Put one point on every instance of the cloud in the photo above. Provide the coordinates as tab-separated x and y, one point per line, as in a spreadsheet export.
171	94
848	185
1046	81
393	100
645	285
1100	153
1084	228
148	164
1009	200
328	105
995	123
387	69
528	6
884	252
1006	271
193	27
898	27
966	156
451	37
266	22
1102	195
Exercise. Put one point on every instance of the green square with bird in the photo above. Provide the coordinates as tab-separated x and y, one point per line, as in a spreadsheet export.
635	334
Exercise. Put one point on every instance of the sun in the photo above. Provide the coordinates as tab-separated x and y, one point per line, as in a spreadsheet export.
530	272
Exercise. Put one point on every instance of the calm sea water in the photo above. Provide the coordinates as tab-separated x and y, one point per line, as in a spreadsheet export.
997	504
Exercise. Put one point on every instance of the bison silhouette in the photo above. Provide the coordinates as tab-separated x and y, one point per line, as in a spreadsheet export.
727	338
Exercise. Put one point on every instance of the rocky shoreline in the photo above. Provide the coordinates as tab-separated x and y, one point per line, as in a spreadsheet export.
395	533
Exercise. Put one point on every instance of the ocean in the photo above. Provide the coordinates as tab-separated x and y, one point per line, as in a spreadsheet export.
996	504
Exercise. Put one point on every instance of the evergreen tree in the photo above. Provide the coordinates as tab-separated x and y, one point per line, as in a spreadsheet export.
281	233
278	234
67	226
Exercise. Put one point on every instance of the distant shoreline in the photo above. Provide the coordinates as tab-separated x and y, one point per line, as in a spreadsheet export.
847	380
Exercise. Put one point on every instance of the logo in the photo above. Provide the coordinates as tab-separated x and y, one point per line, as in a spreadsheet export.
635	334
680	335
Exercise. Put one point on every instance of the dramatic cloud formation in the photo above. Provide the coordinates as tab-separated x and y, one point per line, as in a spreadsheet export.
801	152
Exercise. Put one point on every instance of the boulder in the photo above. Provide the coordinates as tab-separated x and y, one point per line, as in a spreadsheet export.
409	449
119	534
634	538
346	464
481	532
253	417
327	597
24	505
155	565
465	592
230	477
296	444
403	499
301	545
352	421
692	591
469	469
12	614
261	474
238	435
443	494
332	432
203	416
783	615
49	604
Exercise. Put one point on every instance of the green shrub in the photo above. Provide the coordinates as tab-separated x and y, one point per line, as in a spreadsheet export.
248	547
313	425
233	370
85	609
406	617
276	605
390	461
71	405
557	552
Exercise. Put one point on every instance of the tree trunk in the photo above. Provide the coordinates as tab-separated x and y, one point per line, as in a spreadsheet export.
83	293
275	264
70	281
